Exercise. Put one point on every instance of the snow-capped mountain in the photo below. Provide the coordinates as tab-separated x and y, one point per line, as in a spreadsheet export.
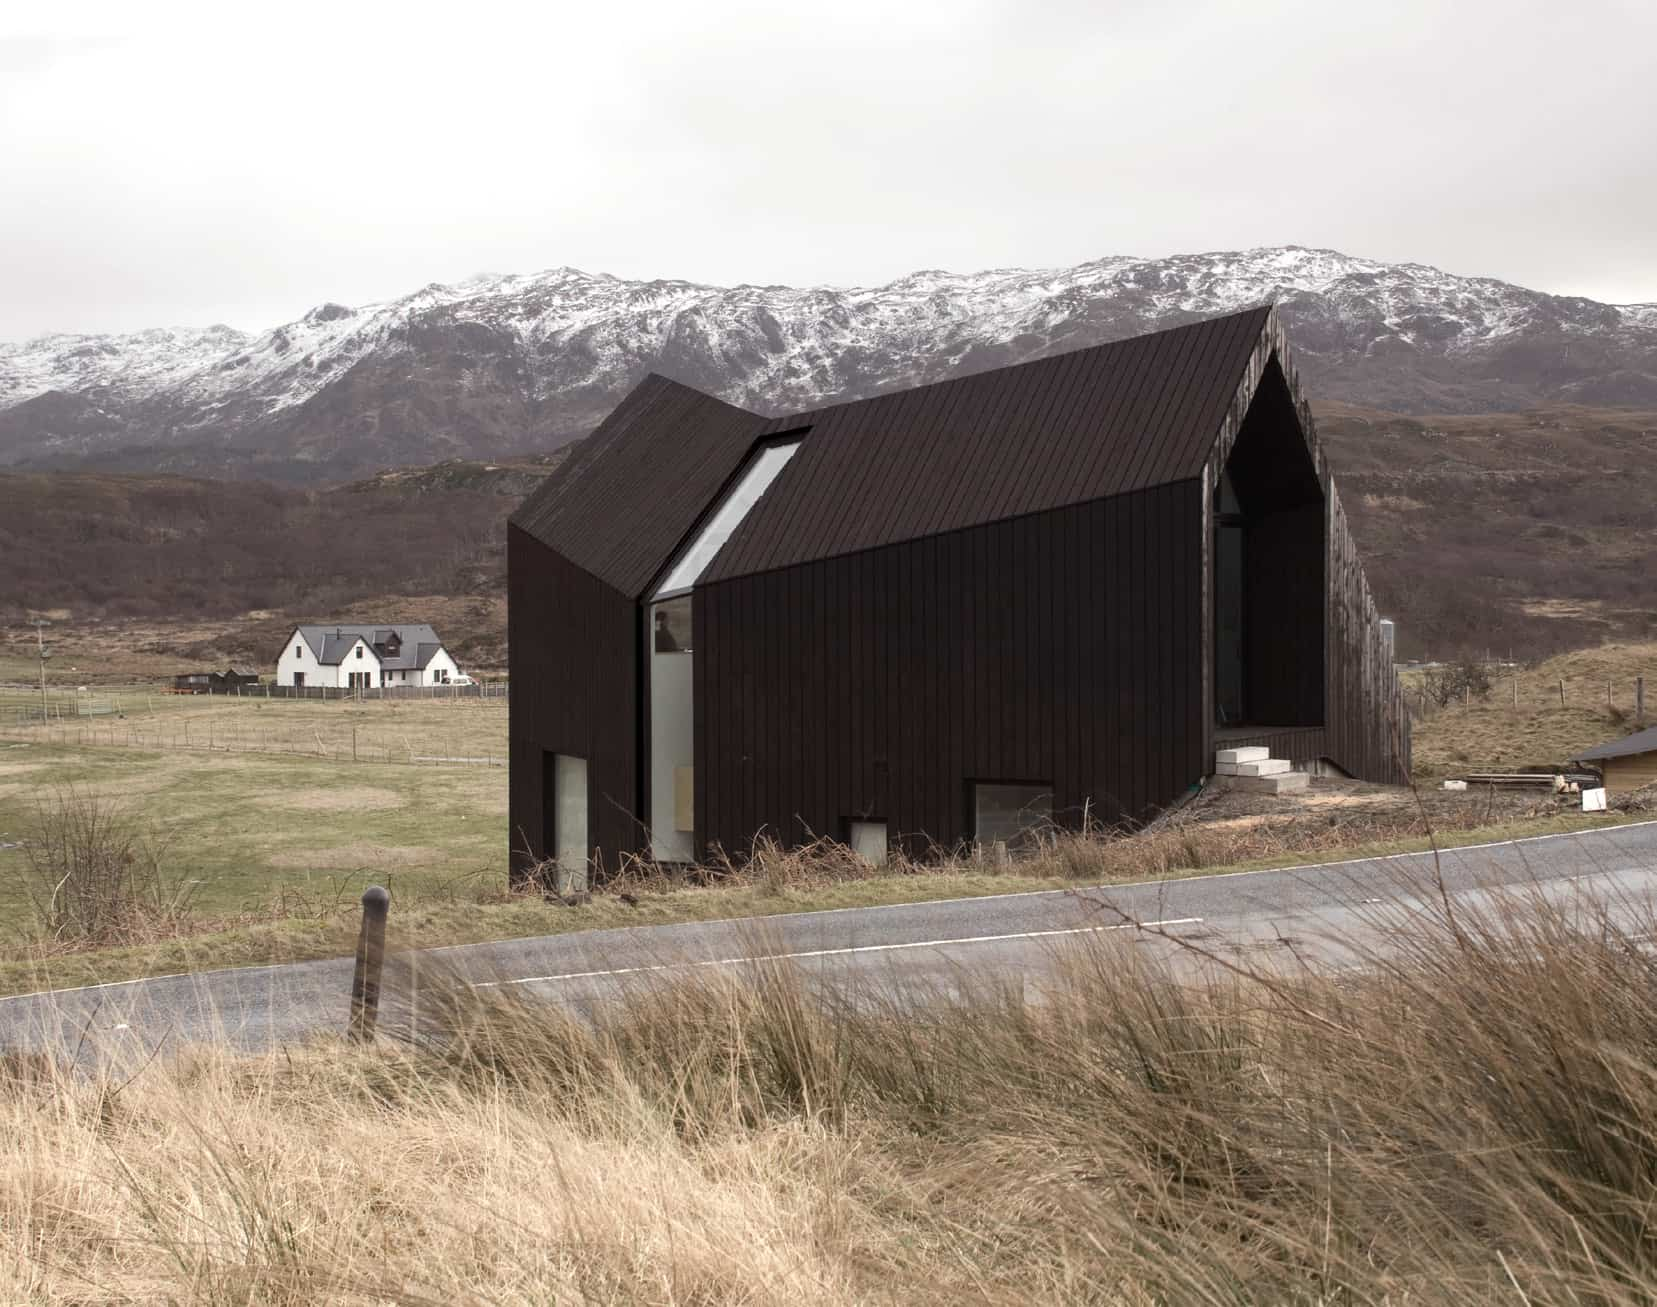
503	364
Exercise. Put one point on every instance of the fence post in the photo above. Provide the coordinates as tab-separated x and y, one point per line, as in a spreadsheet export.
365	984
1561	691
1639	698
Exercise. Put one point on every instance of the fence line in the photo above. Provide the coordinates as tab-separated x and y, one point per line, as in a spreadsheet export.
149	720
1521	695
233	738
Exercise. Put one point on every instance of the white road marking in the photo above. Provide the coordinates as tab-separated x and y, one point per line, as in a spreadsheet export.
837	952
1608	828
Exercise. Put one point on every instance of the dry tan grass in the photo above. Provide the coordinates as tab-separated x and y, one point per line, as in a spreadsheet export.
1217	829
345	798
1471	1119
361	855
1491	734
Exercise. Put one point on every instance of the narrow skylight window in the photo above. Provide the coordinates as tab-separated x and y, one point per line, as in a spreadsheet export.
761	471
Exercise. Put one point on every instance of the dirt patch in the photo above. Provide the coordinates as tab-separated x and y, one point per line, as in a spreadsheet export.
347	798
359	855
18	768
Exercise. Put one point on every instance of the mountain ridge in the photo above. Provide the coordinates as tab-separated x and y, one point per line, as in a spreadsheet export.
501	365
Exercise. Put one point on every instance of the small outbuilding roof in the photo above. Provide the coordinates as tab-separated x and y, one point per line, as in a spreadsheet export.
1640	742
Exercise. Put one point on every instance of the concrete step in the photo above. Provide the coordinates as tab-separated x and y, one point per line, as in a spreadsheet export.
1265	767
1288	782
1254	753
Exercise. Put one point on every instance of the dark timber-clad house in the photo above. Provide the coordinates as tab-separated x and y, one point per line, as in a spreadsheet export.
1052	589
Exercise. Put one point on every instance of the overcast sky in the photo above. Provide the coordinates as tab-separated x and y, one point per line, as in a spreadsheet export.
182	165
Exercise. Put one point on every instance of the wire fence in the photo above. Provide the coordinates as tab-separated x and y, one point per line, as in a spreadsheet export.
1523	692
146	718
211	736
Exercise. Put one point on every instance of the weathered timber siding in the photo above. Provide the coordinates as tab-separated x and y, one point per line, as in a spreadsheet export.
1061	647
576	650
1367	725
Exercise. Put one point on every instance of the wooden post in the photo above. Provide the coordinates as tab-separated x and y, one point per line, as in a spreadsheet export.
353	741
1639	698
365	983
1561	691
1516	691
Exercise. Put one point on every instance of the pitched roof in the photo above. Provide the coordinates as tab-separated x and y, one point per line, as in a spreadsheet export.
1035	436
1640	742
620	505
332	642
981	448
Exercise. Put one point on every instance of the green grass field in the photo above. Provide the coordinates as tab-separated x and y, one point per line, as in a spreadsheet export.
251	828
275	830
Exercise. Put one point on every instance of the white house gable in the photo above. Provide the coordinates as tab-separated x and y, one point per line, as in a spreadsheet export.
340	657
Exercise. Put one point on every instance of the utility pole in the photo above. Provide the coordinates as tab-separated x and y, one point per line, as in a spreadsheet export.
40	625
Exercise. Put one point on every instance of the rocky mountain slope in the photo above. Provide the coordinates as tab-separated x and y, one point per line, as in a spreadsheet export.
506	365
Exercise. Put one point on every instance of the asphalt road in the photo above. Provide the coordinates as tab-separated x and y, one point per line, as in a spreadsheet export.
1327	914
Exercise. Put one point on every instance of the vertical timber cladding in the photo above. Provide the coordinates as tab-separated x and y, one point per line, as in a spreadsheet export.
1369	727
1064	646
575	661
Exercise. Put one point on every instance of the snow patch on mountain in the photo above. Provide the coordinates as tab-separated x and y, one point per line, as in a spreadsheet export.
508	360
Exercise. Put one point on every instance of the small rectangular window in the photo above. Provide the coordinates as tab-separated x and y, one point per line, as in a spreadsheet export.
359	651
670	626
868	840
1012	814
298	651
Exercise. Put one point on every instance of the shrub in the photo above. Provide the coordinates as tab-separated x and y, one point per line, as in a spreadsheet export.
96	874
1453	681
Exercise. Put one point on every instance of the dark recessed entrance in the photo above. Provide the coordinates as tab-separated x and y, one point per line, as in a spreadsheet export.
1270	592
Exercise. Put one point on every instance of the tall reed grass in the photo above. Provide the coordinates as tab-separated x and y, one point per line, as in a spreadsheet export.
1471	1116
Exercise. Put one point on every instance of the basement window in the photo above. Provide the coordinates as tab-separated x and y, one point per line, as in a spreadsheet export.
868	840
1011	814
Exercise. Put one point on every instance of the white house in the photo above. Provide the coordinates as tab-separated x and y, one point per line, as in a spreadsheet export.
362	657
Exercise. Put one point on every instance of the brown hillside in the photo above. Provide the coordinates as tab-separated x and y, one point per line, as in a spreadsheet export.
1527	533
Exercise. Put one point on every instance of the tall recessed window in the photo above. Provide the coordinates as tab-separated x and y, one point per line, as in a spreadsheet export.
564	782
671	664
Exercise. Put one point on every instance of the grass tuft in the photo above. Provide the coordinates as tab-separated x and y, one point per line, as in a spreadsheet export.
1469	1116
